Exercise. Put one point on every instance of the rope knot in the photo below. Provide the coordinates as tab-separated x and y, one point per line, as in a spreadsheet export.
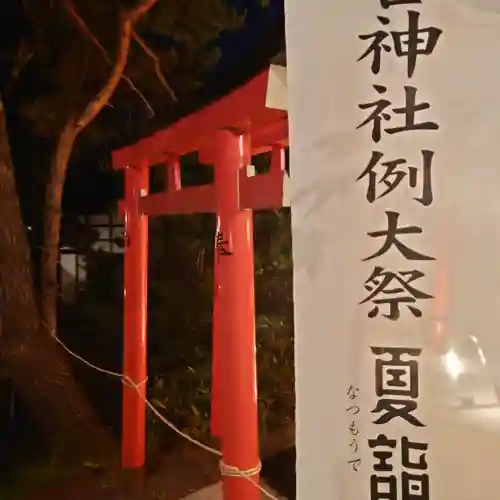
233	471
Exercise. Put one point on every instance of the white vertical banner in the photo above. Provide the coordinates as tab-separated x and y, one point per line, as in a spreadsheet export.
395	169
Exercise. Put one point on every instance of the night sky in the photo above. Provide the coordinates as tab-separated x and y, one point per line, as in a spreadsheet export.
243	54
258	22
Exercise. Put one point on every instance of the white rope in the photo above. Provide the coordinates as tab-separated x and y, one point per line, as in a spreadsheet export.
225	469
231	471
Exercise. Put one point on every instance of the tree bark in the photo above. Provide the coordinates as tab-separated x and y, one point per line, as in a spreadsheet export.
52	225
28	355
69	413
59	166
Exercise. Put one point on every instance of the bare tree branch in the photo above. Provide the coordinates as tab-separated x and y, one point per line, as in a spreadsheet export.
156	64
62	155
140	9
95	106
82	26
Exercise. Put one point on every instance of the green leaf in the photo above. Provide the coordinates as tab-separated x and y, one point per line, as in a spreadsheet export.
195	411
157	403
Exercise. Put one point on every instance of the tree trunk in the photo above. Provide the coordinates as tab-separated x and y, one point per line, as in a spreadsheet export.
28	354
52	224
59	166
73	411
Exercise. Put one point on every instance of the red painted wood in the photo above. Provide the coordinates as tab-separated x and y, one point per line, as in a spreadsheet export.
243	110
265	191
216	405
173	175
236	356
261	192
198	199
254	129
135	318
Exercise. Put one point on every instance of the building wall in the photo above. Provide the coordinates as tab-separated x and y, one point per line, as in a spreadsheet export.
73	267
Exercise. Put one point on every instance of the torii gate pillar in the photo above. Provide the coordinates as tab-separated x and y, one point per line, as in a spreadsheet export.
135	298
237	329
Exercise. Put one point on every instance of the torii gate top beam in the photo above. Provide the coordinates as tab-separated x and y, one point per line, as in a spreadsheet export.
259	108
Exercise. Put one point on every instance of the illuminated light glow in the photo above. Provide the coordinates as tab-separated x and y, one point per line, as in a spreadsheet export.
480	351
482	356
453	364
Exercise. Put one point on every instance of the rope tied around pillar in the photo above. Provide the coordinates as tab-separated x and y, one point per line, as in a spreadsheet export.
225	470
233	471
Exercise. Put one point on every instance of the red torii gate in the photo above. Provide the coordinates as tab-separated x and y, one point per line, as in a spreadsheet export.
225	134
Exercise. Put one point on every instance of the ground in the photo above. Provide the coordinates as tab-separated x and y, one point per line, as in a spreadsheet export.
178	474
183	471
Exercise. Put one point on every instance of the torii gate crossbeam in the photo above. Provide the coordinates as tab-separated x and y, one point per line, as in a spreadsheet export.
249	121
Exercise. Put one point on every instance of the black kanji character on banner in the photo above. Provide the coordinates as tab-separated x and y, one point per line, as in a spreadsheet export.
354	446
396	377
412	43
395	172
409	110
353	410
393	289
386	4
355	464
353	429
376	47
396	408
415	486
383	487
406	447
221	245
383	456
415	41
391	239
352	392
